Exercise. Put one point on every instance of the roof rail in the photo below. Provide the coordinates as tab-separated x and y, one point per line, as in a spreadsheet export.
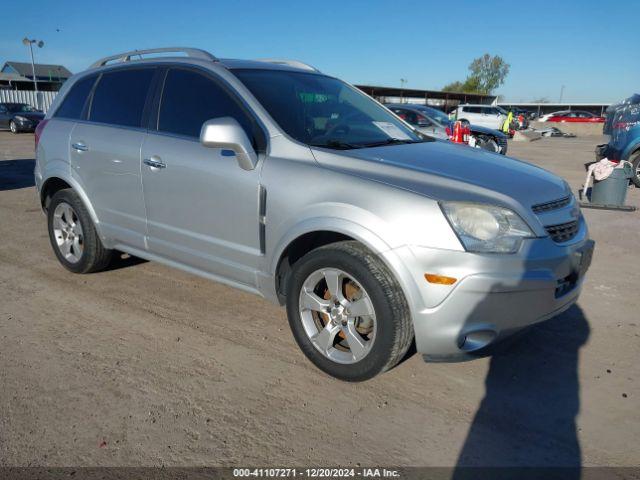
126	56
290	63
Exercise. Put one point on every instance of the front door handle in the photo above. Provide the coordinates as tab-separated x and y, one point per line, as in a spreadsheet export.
80	147
154	163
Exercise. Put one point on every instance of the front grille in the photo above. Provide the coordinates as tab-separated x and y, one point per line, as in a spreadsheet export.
553	205
563	232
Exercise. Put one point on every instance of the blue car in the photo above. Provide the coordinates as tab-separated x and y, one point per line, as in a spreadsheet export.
624	129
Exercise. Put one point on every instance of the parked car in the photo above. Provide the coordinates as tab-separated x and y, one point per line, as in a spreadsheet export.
19	117
624	143
547	116
432	121
574	116
294	185
482	115
607	127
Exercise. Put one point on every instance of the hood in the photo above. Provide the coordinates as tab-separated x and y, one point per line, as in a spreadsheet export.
30	115
446	171
487	131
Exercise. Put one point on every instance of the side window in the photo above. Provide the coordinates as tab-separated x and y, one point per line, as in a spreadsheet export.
189	99
410	117
489	110
3	109
422	120
120	97
472	109
73	104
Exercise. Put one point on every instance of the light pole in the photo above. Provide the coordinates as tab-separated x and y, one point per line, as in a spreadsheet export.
561	93
403	82
40	44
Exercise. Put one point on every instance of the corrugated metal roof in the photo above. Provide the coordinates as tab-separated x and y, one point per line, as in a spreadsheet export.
42	70
13	77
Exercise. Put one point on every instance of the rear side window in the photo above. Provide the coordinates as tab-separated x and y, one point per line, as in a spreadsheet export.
471	109
120	97
73	104
189	99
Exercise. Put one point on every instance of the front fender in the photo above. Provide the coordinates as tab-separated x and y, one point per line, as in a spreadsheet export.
326	223
631	148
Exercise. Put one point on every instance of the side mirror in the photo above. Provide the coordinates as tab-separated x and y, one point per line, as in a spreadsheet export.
226	133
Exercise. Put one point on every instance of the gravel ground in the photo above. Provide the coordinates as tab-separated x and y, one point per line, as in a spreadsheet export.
145	365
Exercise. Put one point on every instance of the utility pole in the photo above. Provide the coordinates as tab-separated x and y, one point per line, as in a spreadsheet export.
561	93
40	44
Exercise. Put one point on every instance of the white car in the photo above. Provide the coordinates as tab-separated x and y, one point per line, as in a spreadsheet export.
483	115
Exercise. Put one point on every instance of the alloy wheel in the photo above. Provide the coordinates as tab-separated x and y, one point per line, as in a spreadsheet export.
68	233
337	315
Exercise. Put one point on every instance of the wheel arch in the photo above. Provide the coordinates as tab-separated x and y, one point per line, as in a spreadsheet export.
633	149
59	181
312	234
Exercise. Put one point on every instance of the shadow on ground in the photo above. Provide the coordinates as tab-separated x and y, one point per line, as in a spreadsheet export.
15	174
527	416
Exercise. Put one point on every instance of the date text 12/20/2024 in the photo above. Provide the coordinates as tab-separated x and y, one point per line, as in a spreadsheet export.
315	473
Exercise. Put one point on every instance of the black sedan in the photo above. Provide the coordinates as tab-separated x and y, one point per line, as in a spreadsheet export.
19	117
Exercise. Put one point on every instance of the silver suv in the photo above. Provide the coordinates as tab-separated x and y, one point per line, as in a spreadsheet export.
274	178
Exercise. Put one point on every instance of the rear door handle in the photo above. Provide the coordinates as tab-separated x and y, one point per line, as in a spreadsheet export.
80	147
154	163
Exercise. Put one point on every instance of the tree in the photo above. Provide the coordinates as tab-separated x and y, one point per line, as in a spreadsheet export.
487	73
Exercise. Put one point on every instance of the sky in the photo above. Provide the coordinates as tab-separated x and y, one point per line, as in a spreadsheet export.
590	47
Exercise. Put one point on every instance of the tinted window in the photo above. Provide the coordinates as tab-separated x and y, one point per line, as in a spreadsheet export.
323	111
471	109
407	115
189	99
120	96
73	104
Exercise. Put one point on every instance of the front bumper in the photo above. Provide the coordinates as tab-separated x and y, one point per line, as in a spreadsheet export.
495	295
26	125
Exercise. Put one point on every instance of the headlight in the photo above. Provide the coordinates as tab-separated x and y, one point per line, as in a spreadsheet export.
20	118
485	228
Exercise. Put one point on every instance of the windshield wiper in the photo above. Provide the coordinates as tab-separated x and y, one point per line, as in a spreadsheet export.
389	141
337	144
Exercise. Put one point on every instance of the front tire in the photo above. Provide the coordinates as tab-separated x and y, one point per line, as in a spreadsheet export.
13	127
73	235
347	312
488	144
635	161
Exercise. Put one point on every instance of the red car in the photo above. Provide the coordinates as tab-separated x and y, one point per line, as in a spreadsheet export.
575	116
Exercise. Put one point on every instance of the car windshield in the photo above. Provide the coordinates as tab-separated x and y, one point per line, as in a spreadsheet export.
20	108
436	114
322	111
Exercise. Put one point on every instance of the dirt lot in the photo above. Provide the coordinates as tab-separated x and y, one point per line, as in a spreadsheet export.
144	365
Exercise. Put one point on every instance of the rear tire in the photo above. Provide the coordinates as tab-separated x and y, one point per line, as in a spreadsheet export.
362	278
635	161
73	236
